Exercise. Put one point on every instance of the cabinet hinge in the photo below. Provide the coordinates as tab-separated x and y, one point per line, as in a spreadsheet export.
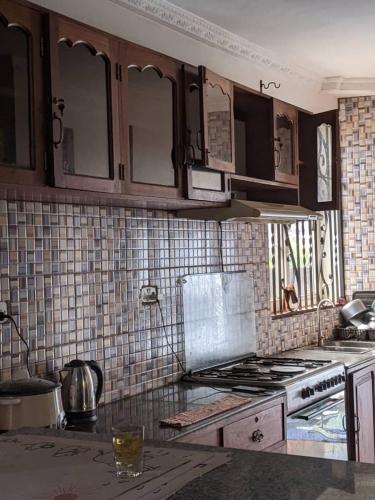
119	72
41	46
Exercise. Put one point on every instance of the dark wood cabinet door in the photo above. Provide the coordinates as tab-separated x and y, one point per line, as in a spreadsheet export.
150	122
217	141
22	142
361	415
320	165
285	142
84	138
200	182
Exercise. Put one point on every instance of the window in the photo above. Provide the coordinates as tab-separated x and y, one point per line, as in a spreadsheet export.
305	260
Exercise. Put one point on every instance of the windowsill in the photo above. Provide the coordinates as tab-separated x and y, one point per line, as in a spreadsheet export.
296	313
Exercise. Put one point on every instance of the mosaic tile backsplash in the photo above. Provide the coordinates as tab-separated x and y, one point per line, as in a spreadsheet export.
357	141
71	276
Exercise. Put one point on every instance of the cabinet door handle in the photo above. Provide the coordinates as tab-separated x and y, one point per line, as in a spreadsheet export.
358	423
257	436
277	152
60	140
60	103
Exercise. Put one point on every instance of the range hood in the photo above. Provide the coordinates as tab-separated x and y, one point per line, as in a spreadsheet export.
250	211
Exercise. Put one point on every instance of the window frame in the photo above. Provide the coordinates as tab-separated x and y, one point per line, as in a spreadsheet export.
315	263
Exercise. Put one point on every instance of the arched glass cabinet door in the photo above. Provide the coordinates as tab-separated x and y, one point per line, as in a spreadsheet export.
218	138
84	135
150	123
21	91
201	182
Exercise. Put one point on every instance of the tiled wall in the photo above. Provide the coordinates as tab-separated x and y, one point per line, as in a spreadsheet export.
72	274
357	140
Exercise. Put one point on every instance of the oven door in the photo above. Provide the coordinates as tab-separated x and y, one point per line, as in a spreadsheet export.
319	430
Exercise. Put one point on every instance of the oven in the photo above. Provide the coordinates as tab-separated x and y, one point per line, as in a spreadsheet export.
319	429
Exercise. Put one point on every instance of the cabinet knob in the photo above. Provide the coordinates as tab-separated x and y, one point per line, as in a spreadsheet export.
257	436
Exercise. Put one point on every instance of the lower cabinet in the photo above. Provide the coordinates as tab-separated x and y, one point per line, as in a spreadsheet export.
262	428
361	414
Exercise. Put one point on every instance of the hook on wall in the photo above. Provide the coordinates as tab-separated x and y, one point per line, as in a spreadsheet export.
266	86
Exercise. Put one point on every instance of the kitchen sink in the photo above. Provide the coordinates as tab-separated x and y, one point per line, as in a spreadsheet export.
345	349
350	343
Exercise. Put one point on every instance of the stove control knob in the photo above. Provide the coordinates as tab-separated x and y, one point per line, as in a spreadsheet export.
311	391
305	393
329	383
336	379
319	387
324	385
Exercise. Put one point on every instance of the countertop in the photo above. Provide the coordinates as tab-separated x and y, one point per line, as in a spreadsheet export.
265	476
349	360
150	407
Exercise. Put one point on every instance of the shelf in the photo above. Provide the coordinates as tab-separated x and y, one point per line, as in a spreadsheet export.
243	183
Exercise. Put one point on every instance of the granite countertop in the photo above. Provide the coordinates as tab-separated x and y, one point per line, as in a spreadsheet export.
150	407
263	476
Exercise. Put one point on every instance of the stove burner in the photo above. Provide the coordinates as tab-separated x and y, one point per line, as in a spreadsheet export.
290	370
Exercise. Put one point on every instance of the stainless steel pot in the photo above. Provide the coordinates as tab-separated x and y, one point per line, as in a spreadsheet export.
32	402
353	309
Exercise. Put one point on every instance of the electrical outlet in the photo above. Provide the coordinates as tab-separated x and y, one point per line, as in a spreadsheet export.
149	294
4	310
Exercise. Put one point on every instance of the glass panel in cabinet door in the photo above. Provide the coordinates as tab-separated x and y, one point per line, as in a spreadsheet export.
284	145
204	178
150	115
14	97
85	117
219	124
324	161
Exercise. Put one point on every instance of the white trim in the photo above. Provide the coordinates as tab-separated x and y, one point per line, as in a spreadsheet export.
341	86
196	27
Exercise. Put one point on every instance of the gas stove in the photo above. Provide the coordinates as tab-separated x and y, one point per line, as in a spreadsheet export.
305	381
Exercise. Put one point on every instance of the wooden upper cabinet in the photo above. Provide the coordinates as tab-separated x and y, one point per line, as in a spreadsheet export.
150	121
84	139
217	141
21	95
320	166
201	182
285	136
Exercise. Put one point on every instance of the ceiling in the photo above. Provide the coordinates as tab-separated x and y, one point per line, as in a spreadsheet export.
327	37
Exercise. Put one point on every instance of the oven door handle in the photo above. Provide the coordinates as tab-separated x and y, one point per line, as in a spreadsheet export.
307	415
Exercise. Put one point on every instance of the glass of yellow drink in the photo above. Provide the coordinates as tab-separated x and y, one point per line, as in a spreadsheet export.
127	443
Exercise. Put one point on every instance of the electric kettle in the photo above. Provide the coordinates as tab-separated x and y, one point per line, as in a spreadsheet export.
79	397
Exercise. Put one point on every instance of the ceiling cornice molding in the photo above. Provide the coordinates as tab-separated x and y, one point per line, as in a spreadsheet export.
196	27
341	86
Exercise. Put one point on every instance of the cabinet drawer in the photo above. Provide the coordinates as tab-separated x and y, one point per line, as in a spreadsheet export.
257	432
209	436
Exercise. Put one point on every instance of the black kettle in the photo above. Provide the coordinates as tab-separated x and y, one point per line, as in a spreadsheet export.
80	400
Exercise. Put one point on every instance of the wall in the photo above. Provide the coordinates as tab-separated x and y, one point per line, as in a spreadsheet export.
109	16
357	139
72	274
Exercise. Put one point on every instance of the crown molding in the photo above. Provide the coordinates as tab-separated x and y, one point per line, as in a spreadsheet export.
198	28
341	86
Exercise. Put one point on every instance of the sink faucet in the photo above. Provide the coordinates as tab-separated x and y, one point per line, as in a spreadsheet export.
321	303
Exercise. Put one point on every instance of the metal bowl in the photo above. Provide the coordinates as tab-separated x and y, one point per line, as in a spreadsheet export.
353	309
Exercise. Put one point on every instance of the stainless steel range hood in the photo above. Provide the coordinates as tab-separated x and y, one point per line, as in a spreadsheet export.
250	211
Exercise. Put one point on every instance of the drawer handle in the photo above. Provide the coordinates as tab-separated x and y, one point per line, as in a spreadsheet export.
257	436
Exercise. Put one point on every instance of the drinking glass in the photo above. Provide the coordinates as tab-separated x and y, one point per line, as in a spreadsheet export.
127	443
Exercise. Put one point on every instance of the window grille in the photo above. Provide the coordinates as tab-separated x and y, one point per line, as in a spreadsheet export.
305	260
